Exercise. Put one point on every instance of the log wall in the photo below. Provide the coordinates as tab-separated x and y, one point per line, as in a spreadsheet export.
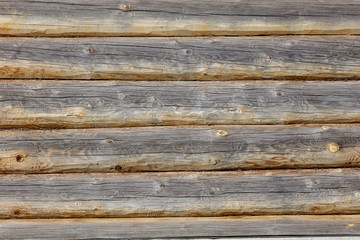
170	119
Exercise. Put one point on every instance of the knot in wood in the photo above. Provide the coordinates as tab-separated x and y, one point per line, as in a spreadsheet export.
213	161
325	127
126	7
19	158
333	147
17	212
221	133
118	168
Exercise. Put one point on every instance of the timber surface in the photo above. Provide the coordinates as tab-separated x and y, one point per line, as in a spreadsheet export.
177	18
185	228
82	104
159	180
231	58
181	194
179	148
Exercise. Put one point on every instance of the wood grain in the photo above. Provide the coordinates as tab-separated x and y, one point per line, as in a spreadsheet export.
83	104
185	228
231	58
179	148
180	194
174	18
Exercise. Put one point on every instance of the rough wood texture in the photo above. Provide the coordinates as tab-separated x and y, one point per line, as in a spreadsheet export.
185	228
233	58
179	148
80	104
180	194
171	17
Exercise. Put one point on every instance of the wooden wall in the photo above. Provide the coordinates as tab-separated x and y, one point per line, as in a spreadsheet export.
170	119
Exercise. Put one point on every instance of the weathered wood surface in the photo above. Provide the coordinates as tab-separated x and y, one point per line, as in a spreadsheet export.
179	148
177	18
216	227
81	104
232	58
181	194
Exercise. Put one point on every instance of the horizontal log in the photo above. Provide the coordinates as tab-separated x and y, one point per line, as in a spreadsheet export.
232	58
83	104
174	18
179	148
183	194
185	228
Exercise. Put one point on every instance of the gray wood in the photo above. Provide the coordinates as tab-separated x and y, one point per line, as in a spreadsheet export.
233	58
82	104
179	148
182	18
181	194
185	228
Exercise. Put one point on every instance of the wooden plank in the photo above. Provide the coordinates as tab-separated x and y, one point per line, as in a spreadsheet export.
82	104
179	148
232	58
183	194
174	18
185	228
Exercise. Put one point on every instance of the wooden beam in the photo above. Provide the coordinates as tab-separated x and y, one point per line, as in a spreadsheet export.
83	104
183	194
174	18
179	148
233	58
185	228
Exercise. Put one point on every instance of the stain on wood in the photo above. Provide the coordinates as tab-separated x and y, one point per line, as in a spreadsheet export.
185	227
174	18
180	194
83	104
231	58
179	148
